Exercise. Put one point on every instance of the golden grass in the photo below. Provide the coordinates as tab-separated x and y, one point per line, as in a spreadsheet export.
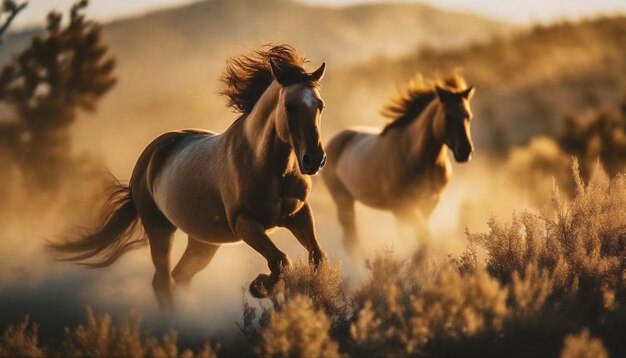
539	285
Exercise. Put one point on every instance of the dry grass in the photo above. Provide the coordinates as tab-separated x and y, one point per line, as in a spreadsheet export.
99	337
540	285
583	346
297	330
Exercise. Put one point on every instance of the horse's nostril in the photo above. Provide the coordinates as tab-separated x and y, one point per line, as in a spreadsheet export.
307	161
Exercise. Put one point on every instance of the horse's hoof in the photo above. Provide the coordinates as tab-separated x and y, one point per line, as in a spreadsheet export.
317	259
261	286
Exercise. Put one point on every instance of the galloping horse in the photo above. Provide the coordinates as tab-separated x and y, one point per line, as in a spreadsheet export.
404	167
222	188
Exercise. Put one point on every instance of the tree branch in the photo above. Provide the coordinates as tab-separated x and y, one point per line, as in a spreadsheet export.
13	10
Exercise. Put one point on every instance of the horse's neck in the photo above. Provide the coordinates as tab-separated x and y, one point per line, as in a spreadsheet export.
261	132
419	142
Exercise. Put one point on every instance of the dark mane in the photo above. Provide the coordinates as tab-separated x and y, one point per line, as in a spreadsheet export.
247	76
407	105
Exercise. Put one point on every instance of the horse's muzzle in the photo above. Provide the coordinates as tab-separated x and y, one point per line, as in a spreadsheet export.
310	163
463	156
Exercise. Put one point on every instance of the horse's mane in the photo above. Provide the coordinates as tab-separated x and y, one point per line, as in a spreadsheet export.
408	104
247	76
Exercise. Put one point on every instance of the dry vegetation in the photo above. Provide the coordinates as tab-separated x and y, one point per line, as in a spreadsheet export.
97	338
539	284
535	286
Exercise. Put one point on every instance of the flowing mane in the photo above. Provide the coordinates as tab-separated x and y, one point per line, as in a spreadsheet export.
247	76
407	105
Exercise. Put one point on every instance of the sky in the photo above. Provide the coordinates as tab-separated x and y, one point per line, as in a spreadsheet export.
520	12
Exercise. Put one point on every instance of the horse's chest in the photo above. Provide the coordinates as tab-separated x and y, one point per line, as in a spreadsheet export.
431	182
284	197
439	178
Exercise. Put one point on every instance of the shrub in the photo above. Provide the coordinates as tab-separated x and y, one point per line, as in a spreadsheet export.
21	341
298	330
577	257
405	306
583	346
98	337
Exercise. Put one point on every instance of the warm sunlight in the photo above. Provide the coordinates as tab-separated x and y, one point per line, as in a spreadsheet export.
315	178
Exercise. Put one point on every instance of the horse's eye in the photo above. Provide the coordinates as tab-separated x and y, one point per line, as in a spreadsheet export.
288	108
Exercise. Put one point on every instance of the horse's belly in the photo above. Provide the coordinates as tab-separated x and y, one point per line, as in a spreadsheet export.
365	184
192	205
202	222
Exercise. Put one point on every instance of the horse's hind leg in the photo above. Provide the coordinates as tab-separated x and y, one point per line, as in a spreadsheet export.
196	257
161	237
160	234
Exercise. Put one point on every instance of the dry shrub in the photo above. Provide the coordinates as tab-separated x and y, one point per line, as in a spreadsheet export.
582	345
98	337
298	330
405	306
530	167
21	341
321	285
314	291
600	133
577	255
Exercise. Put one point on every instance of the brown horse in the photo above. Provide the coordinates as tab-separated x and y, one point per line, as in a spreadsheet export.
222	188
404	167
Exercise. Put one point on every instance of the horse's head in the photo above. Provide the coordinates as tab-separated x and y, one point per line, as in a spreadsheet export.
454	130
300	110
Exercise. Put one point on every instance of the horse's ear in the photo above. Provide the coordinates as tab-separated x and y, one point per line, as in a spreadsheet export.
318	74
277	71
443	94
284	74
468	93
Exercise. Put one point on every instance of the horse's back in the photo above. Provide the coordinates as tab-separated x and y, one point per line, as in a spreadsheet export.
153	157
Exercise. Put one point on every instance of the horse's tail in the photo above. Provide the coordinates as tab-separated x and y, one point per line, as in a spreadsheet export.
115	233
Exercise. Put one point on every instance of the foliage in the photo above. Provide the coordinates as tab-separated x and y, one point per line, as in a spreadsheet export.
600	134
577	256
583	346
297	330
41	90
11	8
98	337
21	341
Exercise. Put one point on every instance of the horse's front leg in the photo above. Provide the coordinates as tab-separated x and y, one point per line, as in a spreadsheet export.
418	223
253	234
302	226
